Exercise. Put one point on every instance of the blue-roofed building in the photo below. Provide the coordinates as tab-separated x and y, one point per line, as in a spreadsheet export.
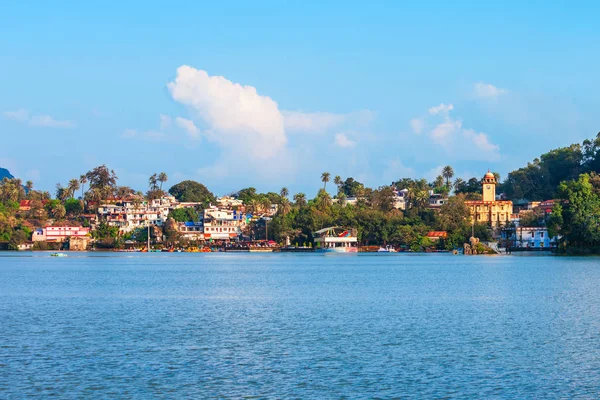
191	230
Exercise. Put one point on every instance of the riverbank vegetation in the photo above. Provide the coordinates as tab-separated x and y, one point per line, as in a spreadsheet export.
569	175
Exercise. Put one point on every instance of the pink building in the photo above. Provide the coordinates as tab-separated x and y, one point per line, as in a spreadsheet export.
59	233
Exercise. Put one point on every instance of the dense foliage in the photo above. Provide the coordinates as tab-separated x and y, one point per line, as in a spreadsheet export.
569	175
192	191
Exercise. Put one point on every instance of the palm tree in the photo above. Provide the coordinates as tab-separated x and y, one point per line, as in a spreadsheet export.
284	192
338	182
300	199
58	211
421	199
497	177
153	182
72	187
458	183
265	204
29	186
253	205
162	178
323	199
448	173
284	206
83	180
61	192
325	178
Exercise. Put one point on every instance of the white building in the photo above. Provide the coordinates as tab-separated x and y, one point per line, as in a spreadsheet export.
529	237
191	230
436	200
223	224
129	215
401	199
229	202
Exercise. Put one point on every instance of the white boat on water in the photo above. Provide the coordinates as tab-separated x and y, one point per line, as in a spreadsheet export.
58	255
386	249
336	240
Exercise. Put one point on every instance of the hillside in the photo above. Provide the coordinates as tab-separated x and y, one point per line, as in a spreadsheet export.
5	174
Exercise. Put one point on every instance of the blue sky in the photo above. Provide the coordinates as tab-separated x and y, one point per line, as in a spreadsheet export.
271	93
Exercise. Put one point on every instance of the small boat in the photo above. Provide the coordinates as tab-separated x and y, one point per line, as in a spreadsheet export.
58	255
386	249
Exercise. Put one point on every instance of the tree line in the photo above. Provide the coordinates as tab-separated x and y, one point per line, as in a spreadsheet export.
568	175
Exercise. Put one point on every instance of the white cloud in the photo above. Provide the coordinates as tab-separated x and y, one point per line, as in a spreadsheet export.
433	173
441	109
448	132
317	122
235	113
343	141
481	142
129	133
145	135
188	126
165	122
395	169
487	90
417	125
445	131
18	115
47	121
311	122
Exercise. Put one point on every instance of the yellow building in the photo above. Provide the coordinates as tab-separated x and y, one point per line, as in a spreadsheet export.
488	210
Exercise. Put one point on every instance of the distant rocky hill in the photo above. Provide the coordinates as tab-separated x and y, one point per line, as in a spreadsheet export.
5	174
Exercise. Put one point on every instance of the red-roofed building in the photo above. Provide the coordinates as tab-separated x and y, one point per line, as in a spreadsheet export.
437	235
25	205
547	206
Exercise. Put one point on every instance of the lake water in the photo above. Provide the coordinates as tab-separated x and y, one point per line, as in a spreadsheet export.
299	326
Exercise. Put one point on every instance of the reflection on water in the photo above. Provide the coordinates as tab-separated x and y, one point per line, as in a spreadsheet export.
298	325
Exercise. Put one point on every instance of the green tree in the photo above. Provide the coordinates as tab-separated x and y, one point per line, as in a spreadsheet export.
454	214
579	213
73	207
300	199
186	214
192	191
103	180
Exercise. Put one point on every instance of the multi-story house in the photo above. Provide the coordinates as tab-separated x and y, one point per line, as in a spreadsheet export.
191	230
59	233
220	224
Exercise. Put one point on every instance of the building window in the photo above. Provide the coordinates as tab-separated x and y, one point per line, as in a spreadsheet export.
541	234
